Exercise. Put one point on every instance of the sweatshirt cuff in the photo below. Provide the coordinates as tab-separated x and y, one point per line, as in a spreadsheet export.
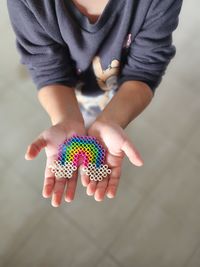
152	84
71	84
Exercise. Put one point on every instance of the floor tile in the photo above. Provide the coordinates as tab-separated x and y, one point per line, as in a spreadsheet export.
17	117
21	207
178	195
173	111
165	230
193	145
107	262
195	259
183	67
152	238
188	21
157	151
3	164
55	241
27	90
32	170
178	191
10	61
102	221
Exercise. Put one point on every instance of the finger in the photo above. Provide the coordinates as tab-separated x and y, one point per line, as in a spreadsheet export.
113	183
84	177
34	149
48	186
58	191
132	153
101	189
49	180
71	187
91	188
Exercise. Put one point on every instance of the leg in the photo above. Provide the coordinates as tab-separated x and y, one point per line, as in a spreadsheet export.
91	106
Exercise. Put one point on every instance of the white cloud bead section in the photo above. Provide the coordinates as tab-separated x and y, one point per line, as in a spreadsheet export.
66	170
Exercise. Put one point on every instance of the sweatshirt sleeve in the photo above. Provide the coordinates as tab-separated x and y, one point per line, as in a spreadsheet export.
152	49
47	60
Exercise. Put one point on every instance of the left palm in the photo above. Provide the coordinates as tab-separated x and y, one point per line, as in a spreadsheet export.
117	144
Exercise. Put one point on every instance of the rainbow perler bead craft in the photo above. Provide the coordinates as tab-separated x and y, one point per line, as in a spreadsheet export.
86	148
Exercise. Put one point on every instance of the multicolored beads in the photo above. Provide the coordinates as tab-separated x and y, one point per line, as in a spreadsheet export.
85	148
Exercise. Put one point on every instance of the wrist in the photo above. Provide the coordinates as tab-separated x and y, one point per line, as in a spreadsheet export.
101	125
67	119
71	127
60	104
105	118
129	101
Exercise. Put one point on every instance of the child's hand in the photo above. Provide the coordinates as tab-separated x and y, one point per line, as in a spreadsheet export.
50	139
118	145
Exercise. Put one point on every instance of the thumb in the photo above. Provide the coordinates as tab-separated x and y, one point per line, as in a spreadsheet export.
132	153
34	149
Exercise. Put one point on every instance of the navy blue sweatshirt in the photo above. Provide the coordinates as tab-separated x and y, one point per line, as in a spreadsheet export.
131	40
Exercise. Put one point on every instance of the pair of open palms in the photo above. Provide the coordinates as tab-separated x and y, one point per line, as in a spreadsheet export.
110	135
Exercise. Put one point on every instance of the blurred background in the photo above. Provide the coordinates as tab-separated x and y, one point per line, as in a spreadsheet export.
155	218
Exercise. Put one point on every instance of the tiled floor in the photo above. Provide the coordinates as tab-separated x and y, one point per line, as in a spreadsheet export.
155	218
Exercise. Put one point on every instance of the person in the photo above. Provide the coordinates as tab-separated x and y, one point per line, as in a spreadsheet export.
96	66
